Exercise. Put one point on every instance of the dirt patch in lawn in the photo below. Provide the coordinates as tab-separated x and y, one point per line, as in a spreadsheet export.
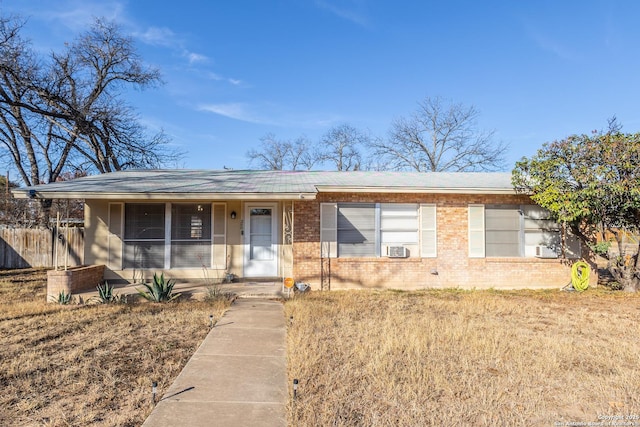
89	364
463	358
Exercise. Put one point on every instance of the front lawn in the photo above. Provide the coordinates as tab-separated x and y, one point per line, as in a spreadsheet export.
80	365
480	358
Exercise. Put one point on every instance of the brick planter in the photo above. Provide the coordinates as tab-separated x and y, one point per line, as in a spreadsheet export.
73	280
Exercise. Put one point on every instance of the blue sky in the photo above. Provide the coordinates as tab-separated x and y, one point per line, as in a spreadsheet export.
237	70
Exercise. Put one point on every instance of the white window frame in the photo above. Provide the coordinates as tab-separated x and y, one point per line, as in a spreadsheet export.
407	213
126	240
372	211
329	229
477	233
169	233
216	240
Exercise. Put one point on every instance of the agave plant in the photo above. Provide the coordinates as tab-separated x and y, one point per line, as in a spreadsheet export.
62	298
106	295
160	290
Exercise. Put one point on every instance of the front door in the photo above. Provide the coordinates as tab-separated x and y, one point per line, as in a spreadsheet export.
260	240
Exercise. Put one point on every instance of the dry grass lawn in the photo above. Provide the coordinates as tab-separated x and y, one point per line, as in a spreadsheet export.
453	358
450	358
90	364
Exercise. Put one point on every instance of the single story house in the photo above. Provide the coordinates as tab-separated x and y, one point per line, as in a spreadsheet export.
402	230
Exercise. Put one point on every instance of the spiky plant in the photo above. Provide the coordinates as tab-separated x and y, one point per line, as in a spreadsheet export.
62	298
160	290
106	295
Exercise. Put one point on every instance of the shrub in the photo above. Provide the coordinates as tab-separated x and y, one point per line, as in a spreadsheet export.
215	293
214	287
160	290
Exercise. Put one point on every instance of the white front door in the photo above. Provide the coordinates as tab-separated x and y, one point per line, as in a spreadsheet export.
260	240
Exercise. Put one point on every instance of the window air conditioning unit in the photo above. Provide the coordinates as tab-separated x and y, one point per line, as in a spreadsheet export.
545	252
396	252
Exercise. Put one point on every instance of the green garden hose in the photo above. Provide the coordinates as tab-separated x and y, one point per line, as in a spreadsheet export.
580	276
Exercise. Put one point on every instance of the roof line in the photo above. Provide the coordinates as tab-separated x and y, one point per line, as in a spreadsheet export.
25	194
452	190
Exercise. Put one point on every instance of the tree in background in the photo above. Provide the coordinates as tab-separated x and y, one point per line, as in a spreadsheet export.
592	184
11	210
283	154
342	147
65	113
441	137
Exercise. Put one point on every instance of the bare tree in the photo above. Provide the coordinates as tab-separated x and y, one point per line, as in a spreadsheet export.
66	113
279	154
342	147
441	136
303	155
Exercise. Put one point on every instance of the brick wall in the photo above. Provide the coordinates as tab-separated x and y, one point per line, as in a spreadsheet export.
452	267
73	280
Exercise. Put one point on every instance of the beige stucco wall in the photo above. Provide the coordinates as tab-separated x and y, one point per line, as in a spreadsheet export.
96	213
103	246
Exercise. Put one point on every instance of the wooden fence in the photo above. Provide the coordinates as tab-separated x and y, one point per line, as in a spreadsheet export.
26	247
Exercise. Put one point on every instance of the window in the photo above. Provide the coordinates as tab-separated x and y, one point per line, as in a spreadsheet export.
144	234
357	230
502	231
516	231
398	224
190	235
369	229
540	230
162	235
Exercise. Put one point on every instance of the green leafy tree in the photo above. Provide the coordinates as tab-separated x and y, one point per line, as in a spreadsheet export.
591	183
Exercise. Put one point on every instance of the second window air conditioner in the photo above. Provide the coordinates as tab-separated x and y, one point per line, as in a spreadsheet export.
397	252
545	252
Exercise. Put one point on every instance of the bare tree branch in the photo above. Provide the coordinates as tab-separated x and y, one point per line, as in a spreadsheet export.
277	154
441	137
66	111
342	147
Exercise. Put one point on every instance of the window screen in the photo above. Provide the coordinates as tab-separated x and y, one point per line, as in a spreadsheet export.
502	231
144	233
190	235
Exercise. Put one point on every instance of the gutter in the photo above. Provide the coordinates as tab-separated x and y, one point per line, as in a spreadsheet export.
413	190
30	193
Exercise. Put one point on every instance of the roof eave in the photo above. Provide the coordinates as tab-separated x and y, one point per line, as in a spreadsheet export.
25	194
413	190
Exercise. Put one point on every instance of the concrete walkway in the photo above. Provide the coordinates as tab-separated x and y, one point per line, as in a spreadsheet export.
237	377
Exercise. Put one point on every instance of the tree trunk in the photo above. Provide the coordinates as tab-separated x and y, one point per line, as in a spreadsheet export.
44	212
625	272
